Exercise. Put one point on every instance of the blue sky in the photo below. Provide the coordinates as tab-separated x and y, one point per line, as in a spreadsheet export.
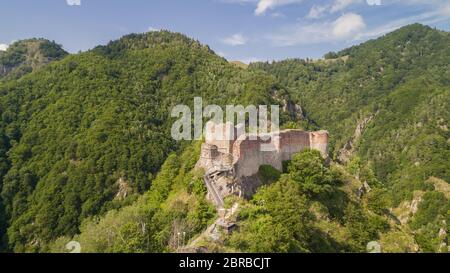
244	30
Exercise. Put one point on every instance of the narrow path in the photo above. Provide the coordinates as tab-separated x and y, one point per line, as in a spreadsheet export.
210	232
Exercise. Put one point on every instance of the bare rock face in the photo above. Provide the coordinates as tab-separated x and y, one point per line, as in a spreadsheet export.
124	189
349	148
240	157
407	209
294	110
25	56
225	185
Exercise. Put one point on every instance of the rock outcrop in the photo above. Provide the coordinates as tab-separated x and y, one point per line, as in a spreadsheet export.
349	148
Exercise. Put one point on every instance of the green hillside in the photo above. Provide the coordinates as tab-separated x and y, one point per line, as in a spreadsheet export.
82	133
386	105
86	152
25	56
396	88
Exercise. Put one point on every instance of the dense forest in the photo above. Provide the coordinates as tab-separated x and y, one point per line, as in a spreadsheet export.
80	130
86	152
386	105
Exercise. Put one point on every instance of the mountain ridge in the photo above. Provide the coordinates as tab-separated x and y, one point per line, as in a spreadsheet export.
79	134
386	108
79	130
25	56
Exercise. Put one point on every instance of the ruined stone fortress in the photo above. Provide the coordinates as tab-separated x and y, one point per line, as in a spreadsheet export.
231	162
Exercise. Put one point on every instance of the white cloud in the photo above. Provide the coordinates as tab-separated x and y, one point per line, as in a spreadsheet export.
152	29
73	2
348	25
264	5
235	40
445	10
340	5
3	47
318	11
438	12
428	18
374	2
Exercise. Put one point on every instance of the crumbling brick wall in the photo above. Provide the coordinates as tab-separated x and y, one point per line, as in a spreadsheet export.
249	154
246	154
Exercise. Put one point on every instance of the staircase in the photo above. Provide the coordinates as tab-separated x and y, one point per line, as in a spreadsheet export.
209	178
218	200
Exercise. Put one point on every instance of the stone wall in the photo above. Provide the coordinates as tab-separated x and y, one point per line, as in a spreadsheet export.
249	154
246	153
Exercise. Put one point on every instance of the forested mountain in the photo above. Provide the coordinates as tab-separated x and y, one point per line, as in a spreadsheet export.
386	105
82	133
86	152
25	56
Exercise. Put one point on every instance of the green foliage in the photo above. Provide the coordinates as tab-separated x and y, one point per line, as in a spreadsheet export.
286	216
74	129
398	242
277	220
268	174
25	56
79	130
152	223
198	187
362	171
402	82
52	50
308	169
379	201
428	239
387	104
434	206
331	55
363	228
